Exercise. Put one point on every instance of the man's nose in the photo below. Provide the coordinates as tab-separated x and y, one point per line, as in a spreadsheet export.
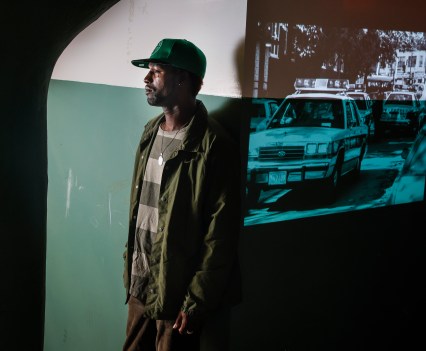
148	78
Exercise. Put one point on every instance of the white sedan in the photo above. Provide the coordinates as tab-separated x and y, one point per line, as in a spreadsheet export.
312	137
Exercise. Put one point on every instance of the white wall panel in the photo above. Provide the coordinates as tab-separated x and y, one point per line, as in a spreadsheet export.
132	28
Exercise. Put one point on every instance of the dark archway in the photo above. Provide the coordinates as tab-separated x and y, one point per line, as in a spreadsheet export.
33	36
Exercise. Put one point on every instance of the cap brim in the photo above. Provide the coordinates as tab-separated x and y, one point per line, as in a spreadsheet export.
144	63
140	63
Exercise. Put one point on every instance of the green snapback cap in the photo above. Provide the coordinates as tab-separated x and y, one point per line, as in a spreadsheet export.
179	53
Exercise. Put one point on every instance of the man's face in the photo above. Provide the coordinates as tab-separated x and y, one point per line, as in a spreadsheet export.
160	83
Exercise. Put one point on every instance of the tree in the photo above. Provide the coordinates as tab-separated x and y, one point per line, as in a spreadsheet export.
347	53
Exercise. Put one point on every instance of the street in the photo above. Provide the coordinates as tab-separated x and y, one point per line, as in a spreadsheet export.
378	171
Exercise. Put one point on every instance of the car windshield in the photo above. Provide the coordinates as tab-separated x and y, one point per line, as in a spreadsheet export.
399	99
309	113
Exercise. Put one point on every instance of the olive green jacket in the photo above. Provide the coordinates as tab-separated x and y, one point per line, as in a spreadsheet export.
194	262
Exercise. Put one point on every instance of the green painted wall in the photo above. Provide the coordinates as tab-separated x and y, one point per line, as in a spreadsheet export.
93	131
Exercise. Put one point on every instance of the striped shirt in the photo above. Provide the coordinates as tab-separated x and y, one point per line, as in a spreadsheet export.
165	144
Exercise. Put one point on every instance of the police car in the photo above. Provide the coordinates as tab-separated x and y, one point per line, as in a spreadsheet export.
312	137
402	111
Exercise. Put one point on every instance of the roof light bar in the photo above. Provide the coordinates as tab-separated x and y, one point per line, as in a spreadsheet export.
334	84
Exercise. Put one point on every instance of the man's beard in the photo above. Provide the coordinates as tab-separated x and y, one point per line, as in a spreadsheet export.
155	99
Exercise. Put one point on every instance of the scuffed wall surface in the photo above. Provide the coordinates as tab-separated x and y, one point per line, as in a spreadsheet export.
93	134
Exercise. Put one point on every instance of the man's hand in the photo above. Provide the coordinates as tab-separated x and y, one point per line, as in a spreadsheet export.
183	323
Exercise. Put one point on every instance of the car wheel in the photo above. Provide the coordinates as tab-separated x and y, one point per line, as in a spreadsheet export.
356	172
332	184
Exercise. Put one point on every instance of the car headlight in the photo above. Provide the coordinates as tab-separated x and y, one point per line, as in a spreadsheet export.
311	148
322	148
316	148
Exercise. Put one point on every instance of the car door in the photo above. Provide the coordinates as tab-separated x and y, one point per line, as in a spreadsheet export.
355	136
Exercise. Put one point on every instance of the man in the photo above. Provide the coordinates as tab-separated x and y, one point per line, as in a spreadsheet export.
181	264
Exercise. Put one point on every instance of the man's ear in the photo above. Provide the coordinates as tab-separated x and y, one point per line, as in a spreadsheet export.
181	77
185	77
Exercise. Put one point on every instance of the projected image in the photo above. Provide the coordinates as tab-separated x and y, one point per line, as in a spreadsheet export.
336	120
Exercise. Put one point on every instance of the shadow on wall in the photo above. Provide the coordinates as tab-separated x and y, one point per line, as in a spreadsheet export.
231	115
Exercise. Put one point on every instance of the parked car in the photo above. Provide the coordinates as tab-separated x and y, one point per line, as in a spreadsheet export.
365	107
261	111
312	137
410	184
402	111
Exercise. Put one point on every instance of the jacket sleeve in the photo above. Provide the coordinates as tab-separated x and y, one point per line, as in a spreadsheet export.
216	281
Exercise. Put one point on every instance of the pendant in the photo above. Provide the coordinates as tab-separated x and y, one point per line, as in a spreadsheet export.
160	159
